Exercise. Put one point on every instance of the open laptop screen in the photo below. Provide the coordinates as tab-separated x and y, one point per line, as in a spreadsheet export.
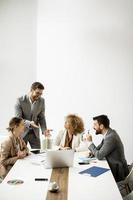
60	158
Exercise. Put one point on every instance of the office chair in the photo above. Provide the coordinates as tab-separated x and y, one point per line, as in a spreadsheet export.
124	184
1	180
129	196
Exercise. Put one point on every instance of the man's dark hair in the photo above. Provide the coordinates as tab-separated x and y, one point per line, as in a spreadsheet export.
102	119
37	85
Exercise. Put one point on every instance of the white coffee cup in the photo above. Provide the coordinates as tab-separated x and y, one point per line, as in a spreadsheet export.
53	186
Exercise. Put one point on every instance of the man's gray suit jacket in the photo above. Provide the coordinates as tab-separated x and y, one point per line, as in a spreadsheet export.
112	149
34	112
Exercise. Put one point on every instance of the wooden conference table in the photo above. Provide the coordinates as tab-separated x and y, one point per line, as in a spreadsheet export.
73	186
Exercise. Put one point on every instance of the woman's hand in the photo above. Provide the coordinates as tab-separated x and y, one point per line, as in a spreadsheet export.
21	154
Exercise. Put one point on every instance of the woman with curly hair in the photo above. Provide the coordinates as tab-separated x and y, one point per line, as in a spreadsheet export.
71	136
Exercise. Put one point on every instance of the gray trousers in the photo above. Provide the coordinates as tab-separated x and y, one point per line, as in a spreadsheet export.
32	139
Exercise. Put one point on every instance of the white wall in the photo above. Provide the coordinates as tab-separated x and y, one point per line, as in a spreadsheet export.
84	58
84	52
17	53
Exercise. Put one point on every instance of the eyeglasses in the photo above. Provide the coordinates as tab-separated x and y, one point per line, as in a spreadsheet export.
38	93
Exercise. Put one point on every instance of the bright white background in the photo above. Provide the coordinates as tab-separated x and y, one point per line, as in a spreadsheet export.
85	56
17	53
81	50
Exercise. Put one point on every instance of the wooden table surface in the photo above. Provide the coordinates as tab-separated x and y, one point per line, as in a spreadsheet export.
60	176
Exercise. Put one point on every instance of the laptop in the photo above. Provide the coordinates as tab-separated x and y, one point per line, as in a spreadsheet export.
60	158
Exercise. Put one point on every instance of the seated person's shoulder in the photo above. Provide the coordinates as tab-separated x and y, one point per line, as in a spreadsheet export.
59	137
111	136
61	132
22	98
6	142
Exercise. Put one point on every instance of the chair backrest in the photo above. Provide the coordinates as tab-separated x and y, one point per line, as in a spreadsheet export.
129	196
129	178
130	166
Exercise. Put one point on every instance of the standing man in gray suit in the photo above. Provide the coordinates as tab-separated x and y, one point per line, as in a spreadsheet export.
110	148
31	108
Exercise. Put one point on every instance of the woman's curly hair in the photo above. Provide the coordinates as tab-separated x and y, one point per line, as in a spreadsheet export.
76	123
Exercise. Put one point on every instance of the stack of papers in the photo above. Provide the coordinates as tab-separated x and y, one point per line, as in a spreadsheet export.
37	159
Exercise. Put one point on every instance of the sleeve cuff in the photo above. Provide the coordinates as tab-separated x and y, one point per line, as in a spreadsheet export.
27	123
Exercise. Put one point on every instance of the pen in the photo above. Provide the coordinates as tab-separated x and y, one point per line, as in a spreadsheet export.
41	179
42	161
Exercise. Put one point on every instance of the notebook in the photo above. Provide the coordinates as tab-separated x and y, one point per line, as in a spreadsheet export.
60	158
94	171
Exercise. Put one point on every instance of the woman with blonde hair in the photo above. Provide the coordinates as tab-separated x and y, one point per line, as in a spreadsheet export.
13	148
71	136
